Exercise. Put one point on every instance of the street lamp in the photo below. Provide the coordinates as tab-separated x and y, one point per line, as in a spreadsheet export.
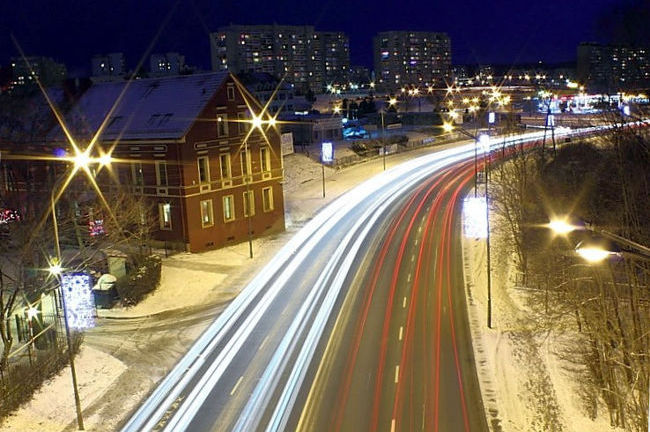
484	141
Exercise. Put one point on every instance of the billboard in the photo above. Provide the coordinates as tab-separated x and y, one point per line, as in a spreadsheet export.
286	143
327	152
79	302
475	217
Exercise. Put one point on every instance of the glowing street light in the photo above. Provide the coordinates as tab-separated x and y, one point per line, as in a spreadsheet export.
591	253
256	121
55	268
81	160
447	127
561	226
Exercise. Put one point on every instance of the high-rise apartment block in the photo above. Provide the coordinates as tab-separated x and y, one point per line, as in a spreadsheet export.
310	59
170	64
28	69
610	68
109	66
412	58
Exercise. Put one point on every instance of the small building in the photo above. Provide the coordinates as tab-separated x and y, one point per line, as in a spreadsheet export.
312	128
180	143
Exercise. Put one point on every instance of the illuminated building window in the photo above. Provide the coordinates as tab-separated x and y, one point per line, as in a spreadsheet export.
228	208
165	216
207	217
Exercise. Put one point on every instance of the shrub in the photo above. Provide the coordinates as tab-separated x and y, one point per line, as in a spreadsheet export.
142	280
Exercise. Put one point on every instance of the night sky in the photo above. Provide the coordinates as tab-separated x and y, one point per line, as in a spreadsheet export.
501	31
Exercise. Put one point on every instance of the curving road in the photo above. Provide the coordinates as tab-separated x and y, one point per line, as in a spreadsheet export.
358	323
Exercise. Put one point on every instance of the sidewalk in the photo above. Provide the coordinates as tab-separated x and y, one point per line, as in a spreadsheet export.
116	371
527	383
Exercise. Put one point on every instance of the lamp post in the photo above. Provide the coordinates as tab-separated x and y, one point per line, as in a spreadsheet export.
55	270
484	141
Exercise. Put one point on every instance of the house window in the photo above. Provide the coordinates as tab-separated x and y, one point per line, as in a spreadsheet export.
245	163
231	93
222	125
224	160
265	157
249	203
204	169
243	123
137	174
207	217
267	199
161	173
228	208
165	216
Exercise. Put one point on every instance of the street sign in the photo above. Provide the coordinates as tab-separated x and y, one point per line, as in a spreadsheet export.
327	152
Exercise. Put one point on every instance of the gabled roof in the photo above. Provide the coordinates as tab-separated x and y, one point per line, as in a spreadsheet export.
157	108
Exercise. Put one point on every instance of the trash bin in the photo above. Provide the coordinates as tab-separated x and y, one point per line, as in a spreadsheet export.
105	291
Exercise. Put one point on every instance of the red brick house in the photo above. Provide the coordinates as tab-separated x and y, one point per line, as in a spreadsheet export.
179	142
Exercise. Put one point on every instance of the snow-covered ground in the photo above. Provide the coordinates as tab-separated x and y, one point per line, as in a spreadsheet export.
527	384
513	395
53	407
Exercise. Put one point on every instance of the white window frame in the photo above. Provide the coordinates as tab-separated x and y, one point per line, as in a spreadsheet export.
246	173
251	200
207	169
135	168
222	122
162	209
227	165
231	207
265	159
230	92
161	166
243	124
267	204
206	205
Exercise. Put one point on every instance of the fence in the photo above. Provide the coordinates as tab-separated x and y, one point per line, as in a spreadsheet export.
376	152
40	351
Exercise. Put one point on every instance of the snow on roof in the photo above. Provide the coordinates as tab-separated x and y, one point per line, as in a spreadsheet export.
158	108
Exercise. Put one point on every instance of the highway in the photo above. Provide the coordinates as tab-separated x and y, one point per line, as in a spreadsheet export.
358	323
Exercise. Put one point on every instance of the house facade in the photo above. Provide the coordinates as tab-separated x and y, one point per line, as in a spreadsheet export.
186	146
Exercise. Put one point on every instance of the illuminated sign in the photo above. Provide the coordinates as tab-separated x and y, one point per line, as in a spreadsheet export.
475	217
491	118
79	301
327	152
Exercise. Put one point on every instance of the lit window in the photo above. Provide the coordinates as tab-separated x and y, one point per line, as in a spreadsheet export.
228	208
267	199
204	169
207	219
165	216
